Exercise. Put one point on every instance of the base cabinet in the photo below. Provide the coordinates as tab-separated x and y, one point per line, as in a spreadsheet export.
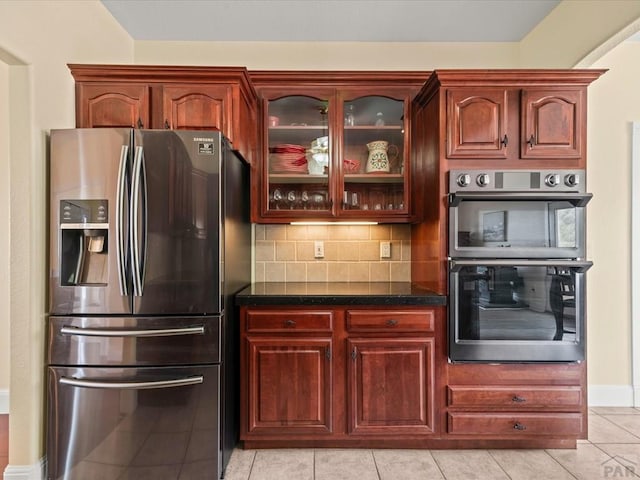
379	377
390	386
290	383
339	377
516	401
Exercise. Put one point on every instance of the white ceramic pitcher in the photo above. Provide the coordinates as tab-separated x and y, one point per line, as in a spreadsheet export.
379	153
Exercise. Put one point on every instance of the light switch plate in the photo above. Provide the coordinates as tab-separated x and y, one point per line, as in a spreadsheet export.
318	249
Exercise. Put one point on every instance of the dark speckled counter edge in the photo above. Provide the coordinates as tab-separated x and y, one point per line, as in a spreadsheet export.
338	294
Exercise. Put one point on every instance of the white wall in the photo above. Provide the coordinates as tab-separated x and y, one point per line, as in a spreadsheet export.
4	238
614	102
573	30
37	40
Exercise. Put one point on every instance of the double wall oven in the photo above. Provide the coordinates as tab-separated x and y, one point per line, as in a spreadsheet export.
517	265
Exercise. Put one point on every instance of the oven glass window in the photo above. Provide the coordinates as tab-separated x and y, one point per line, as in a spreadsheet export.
516	224
532	303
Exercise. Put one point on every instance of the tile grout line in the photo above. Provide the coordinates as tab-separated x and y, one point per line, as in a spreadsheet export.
435	460
559	463
612	457
253	461
375	464
499	464
619	426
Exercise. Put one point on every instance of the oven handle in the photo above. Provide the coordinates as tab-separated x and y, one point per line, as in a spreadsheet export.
157	332
580	265
576	199
178	382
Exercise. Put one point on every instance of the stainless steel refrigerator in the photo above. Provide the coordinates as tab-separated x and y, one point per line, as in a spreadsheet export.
149	240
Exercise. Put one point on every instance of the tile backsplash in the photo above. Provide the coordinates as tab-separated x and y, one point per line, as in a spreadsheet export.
285	253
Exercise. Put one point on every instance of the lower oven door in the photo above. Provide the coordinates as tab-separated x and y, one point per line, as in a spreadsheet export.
115	423
517	310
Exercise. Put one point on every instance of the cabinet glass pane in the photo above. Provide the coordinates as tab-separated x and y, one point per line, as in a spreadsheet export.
299	155
373	155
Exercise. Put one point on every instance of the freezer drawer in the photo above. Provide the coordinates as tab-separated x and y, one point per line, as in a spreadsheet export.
117	423
133	341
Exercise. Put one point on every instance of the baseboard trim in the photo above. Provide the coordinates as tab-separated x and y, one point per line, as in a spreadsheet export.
26	472
4	402
611	396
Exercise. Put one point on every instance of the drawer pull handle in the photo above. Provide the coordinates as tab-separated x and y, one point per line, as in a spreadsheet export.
392	323
519	426
289	323
518	399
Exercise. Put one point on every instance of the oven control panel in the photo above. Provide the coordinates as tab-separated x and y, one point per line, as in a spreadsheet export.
517	181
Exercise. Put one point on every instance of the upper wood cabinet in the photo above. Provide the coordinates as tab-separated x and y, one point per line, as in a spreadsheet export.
335	146
477	123
204	107
180	98
521	117
553	123
113	105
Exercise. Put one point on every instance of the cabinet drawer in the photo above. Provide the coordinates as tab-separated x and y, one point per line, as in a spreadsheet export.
390	320
289	320
520	397
512	425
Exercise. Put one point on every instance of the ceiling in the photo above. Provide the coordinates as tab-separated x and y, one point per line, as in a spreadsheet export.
330	20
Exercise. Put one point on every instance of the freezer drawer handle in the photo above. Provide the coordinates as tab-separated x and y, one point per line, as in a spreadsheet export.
160	332
179	382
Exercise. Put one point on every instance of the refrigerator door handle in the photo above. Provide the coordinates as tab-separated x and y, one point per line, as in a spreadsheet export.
158	332
136	253
120	216
178	382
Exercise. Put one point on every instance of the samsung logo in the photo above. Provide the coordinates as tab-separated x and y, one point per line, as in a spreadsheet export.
202	139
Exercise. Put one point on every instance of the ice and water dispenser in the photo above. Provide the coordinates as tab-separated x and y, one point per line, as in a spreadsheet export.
84	229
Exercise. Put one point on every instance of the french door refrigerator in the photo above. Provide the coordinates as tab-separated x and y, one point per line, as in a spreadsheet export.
149	240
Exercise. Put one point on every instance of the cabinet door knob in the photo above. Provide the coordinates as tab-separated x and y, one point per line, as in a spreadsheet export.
392	323
531	141
140	124
519	426
518	399
166	125
505	140
289	323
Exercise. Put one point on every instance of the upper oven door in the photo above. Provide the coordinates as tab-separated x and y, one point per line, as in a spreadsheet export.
517	225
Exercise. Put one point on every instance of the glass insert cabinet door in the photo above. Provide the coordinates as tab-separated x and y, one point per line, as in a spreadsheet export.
298	164
332	156
373	157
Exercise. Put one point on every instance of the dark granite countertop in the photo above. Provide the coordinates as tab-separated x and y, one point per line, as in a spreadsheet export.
338	293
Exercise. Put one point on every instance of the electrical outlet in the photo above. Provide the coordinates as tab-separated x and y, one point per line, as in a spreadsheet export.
318	249
385	249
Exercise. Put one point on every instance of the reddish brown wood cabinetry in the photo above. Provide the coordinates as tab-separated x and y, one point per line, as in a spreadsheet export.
338	377
390	386
553	123
289	385
319	131
477	123
516	401
482	123
203	107
113	105
180	98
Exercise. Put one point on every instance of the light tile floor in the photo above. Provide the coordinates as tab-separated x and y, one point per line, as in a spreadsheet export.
611	452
